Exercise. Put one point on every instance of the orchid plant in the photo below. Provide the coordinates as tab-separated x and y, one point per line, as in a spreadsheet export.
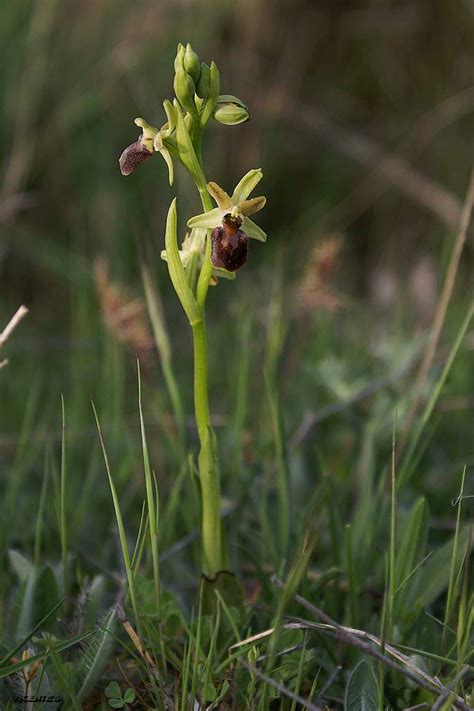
215	246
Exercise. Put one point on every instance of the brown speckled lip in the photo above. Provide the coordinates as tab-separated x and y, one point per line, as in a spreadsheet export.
132	156
230	245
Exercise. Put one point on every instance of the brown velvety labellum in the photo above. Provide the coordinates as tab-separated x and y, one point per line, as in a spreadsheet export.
230	245
132	156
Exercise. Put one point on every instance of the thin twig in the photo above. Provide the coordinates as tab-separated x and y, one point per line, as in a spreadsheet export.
10	327
448	690
332	678
441	310
348	635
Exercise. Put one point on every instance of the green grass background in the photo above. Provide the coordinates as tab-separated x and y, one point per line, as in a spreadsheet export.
73	76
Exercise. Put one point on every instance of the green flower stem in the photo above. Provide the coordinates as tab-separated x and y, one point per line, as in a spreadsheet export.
201	400
211	535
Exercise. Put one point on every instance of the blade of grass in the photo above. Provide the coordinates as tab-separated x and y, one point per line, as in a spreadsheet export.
62	501
442	307
163	344
452	572
407	469
120	527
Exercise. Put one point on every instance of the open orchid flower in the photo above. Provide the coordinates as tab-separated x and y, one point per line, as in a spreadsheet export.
193	250
236	207
150	140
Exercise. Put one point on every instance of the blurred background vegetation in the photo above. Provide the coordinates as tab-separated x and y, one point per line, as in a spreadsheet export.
362	120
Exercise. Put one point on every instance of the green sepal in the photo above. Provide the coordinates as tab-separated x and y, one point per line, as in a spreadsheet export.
252	230
245	186
179	59
169	162
171	116
214	87
203	86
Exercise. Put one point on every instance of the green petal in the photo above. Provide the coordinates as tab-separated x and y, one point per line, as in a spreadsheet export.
169	162
222	273
249	207
220	196
184	256
210	219
253	230
246	185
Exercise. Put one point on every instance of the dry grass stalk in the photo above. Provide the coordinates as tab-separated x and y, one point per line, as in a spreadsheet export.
316	290
124	316
10	327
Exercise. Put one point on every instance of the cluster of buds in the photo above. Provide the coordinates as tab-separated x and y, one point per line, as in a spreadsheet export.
196	86
193	86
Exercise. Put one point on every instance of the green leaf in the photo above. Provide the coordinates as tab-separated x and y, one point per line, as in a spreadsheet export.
176	269
412	550
129	696
38	626
6	670
116	703
362	693
96	655
22	566
112	691
433	578
40	594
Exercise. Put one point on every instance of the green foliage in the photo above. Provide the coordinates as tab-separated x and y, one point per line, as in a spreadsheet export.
362	692
96	656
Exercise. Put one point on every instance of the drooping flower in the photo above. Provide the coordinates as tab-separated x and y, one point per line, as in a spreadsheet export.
142	149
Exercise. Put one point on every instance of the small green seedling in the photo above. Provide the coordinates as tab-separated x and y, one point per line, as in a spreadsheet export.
115	698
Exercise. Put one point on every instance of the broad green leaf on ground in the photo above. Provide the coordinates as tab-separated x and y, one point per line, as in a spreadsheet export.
362	693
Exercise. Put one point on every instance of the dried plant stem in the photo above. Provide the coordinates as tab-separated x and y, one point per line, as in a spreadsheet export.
349	636
10	327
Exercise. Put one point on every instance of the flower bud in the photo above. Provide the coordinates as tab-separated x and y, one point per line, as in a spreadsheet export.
204	84
184	88
230	110
179	59
191	63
